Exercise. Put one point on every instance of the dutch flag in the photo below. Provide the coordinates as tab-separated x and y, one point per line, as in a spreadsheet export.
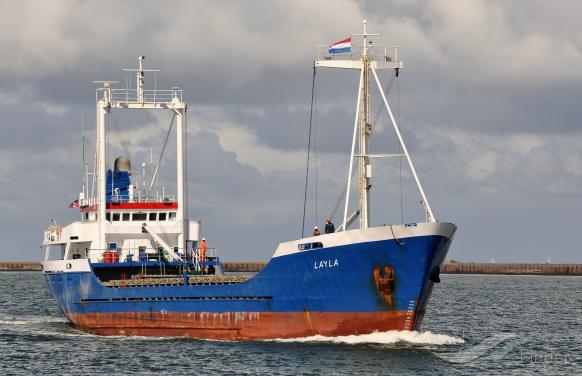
341	46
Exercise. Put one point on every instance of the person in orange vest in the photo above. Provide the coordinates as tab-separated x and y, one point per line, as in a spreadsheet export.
203	247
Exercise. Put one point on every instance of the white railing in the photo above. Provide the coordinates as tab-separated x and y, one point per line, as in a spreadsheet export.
154	254
53	234
375	52
88	202
149	96
210	252
125	198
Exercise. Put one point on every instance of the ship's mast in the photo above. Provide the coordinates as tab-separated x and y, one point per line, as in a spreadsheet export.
139	98
368	65
365	129
103	107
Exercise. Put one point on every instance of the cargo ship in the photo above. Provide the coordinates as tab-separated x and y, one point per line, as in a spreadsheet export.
136	264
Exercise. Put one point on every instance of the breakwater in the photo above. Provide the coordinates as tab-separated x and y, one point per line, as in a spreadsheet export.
527	269
458	268
447	268
20	266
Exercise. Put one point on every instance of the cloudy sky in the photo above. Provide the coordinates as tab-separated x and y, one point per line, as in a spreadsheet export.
489	103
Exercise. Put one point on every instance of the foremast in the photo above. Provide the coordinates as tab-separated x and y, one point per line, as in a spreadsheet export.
365	129
367	64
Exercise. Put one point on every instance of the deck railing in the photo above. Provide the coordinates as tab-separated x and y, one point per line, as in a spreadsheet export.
153	254
126	198
375	52
149	96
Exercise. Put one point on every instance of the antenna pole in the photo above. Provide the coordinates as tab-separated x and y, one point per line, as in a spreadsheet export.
140	80
365	37
83	155
93	179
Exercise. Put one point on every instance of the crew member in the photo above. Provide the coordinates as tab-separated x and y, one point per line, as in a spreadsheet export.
329	226
316	231
203	247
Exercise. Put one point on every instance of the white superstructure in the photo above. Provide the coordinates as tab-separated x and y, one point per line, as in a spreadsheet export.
129	222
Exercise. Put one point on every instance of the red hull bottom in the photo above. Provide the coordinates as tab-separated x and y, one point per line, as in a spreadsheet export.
242	325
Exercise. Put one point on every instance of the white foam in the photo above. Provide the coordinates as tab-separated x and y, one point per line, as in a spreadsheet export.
47	333
44	319
72	332
13	322
384	338
24	320
140	338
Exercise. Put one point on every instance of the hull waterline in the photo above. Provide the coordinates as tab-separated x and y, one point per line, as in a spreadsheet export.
344	290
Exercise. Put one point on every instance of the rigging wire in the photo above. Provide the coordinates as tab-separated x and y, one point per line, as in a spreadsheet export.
122	140
376	117
308	152
338	202
399	147
83	152
380	104
155	174
315	153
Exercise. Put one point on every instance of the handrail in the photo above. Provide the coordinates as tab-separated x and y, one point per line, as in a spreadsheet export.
374	51
153	254
210	252
125	198
149	96
139	199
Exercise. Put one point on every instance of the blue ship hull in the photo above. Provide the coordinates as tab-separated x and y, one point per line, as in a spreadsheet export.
338	290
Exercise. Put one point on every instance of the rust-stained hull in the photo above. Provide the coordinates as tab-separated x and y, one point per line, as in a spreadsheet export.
243	325
346	289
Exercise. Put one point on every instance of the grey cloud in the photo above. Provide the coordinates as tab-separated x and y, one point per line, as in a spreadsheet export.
488	102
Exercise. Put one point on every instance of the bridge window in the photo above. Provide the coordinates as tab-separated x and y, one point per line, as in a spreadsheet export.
139	216
116	216
108	216
162	217
153	216
172	216
125	217
308	246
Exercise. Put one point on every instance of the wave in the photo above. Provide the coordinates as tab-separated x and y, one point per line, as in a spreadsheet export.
139	338
383	338
25	320
72	332
13	322
20	329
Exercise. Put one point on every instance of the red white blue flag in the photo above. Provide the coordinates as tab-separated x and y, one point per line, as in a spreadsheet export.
341	46
74	204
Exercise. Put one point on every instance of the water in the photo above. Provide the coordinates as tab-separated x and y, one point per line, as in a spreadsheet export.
475	324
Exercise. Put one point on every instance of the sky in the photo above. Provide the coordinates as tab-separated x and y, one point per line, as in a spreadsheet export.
488	103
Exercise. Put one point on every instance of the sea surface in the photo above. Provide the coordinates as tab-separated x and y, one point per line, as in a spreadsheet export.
475	324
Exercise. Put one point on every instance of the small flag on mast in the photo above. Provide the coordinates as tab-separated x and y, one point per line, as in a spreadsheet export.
74	204
341	46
